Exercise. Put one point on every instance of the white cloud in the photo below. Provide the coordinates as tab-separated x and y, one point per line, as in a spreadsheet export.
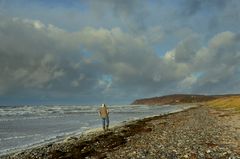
35	23
19	74
170	55
187	82
222	40
219	62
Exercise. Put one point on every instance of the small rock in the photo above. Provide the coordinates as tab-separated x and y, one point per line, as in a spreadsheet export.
185	156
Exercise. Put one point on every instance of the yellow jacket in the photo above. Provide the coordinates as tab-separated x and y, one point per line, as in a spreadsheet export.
103	112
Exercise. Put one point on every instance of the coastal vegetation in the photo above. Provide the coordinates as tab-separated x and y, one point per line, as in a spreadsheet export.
232	102
227	99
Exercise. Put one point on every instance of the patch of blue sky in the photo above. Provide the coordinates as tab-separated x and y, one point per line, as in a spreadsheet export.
48	3
160	51
85	53
80	5
198	74
107	78
46	11
164	47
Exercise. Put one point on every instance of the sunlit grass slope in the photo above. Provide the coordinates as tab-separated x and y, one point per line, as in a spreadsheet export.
232	102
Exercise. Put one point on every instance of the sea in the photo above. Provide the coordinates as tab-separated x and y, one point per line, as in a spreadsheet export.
25	126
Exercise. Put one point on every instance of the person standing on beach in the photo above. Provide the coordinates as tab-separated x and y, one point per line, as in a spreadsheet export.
103	113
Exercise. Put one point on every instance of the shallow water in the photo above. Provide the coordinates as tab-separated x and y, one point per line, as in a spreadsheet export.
22	126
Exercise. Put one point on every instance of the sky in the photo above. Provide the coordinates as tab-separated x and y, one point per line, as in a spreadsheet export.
116	51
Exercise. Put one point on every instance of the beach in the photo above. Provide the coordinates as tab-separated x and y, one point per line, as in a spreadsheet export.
22	127
200	132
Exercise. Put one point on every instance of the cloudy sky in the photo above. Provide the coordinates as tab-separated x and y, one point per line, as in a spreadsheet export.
114	51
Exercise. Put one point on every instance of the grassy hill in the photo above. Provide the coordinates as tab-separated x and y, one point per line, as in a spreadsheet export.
232	102
173	99
227	100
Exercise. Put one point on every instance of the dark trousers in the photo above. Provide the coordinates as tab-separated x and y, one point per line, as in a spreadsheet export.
105	121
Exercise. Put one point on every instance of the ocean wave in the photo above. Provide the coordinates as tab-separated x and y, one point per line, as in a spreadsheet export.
28	118
44	110
18	137
8	111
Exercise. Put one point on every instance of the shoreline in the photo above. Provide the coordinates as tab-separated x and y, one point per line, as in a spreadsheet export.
98	144
81	135
90	131
55	138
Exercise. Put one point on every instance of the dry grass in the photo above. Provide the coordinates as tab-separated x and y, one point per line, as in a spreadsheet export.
232	102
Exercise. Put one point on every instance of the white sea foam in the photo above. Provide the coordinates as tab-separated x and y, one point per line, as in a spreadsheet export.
19	137
44	110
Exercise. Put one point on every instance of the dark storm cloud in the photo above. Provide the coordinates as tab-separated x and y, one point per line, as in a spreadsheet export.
35	56
89	62
118	49
186	50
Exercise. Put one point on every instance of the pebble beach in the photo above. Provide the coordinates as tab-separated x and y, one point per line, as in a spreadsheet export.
197	133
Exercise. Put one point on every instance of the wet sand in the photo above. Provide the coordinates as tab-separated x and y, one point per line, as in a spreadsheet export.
200	132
